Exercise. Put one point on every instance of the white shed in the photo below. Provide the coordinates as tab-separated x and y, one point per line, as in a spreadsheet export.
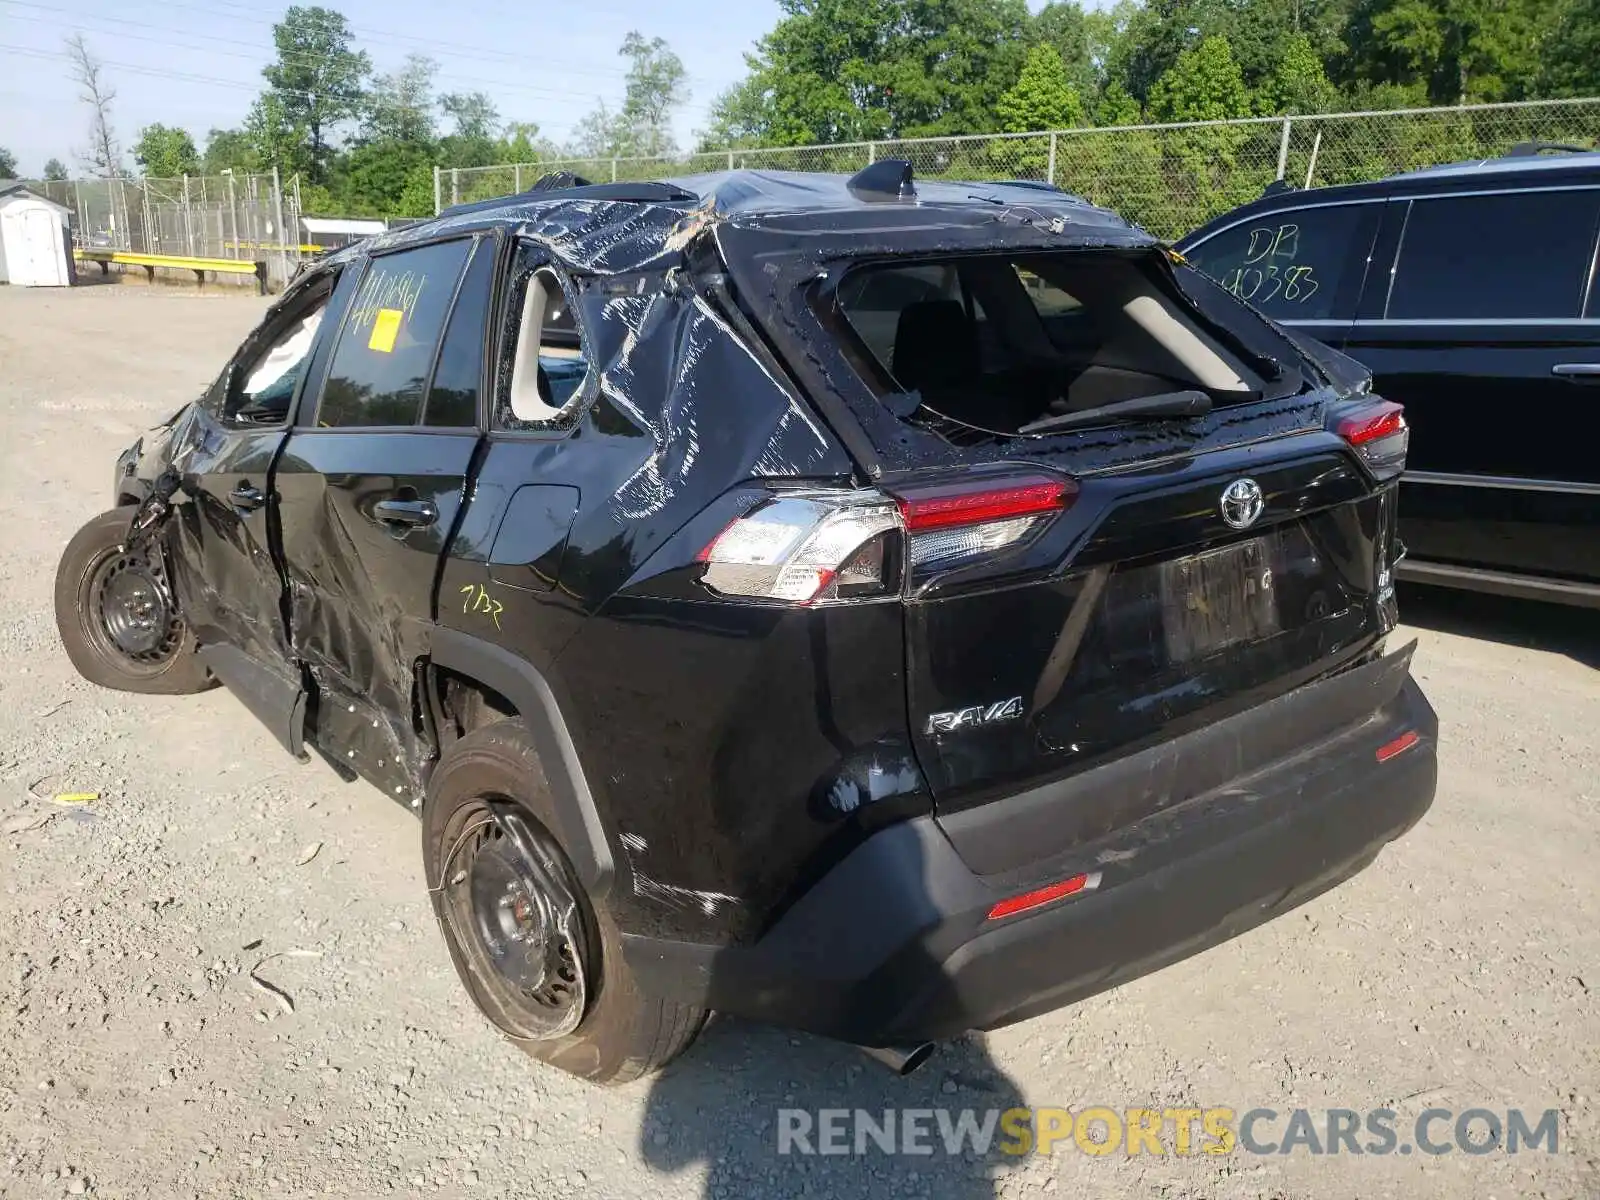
35	239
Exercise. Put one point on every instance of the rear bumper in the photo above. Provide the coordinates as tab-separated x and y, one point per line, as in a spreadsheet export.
895	943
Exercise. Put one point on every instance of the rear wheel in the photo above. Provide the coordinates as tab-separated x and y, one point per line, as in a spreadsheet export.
116	615
539	959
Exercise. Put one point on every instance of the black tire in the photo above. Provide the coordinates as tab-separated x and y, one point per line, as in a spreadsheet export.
96	575
622	1034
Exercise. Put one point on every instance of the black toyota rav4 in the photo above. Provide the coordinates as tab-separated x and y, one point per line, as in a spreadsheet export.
903	608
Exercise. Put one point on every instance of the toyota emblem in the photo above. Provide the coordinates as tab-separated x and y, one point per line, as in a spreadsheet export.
1242	502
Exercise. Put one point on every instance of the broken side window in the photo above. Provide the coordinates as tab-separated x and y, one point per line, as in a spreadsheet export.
546	353
264	387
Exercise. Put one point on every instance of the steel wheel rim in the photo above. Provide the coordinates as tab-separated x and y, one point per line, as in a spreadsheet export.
131	615
513	911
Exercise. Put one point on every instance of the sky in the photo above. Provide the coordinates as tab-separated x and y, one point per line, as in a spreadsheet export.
197	63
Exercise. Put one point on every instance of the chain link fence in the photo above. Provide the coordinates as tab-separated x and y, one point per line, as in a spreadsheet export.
252	217
1168	178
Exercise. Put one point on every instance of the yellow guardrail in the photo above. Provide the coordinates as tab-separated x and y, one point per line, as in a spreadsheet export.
220	266
304	247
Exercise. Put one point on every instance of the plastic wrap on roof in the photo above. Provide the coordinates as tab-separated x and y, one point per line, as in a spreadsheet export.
779	212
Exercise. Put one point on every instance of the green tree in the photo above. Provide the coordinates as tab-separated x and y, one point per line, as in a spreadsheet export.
740	117
1572	52
473	115
597	134
1205	170
276	140
1203	84
54	170
1042	97
849	70
1460	50
1116	107
475	125
399	106
643	125
520	143
656	85
8	164
1063	25
1299	84
229	150
314	84
372	178
1155	35
416	198
165	152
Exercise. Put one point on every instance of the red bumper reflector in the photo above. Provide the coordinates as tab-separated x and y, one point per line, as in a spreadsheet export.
1044	895
1400	745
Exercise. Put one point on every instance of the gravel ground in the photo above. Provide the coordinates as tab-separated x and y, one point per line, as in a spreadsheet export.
137	1059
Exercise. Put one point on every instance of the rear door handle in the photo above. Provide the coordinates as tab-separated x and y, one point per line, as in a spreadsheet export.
1577	372
247	497
406	512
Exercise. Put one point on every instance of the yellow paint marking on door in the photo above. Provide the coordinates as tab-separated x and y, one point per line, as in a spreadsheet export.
384	328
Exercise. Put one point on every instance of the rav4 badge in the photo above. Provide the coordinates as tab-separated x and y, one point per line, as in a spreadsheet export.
979	715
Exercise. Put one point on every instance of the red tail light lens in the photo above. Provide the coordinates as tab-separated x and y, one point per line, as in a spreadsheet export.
811	547
973	504
949	524
1379	433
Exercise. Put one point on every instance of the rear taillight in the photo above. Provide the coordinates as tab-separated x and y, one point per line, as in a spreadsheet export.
806	547
949	524
1379	433
831	545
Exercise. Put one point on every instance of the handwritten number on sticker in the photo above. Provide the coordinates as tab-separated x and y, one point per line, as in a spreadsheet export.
477	600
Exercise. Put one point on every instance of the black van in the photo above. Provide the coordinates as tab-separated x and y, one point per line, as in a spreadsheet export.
1470	291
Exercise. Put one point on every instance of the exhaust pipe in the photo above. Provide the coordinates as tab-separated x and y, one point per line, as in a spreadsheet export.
902	1060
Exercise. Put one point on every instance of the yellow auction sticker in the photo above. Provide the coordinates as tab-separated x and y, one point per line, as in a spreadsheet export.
384	328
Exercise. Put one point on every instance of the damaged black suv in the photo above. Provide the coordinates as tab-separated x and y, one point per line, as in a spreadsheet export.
882	608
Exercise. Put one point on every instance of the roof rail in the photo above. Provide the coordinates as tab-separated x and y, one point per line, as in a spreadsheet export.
1533	149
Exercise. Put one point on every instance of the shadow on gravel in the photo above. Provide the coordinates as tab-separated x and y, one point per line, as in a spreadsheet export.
719	1107
1558	628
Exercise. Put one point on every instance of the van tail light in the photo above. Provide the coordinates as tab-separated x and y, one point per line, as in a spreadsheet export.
834	545
950	524
1378	431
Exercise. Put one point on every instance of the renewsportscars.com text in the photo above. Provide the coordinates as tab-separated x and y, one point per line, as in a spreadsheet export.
1099	1130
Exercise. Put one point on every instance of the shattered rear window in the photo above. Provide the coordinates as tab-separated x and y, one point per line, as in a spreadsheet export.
979	346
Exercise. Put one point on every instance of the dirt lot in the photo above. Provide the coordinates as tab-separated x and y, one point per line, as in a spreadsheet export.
137	1059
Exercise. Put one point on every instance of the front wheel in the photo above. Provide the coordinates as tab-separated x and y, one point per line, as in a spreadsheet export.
116	615
539	959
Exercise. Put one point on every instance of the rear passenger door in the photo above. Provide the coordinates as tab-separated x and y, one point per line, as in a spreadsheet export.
369	487
1480	329
1302	266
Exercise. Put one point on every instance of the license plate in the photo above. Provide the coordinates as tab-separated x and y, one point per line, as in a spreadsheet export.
1218	599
